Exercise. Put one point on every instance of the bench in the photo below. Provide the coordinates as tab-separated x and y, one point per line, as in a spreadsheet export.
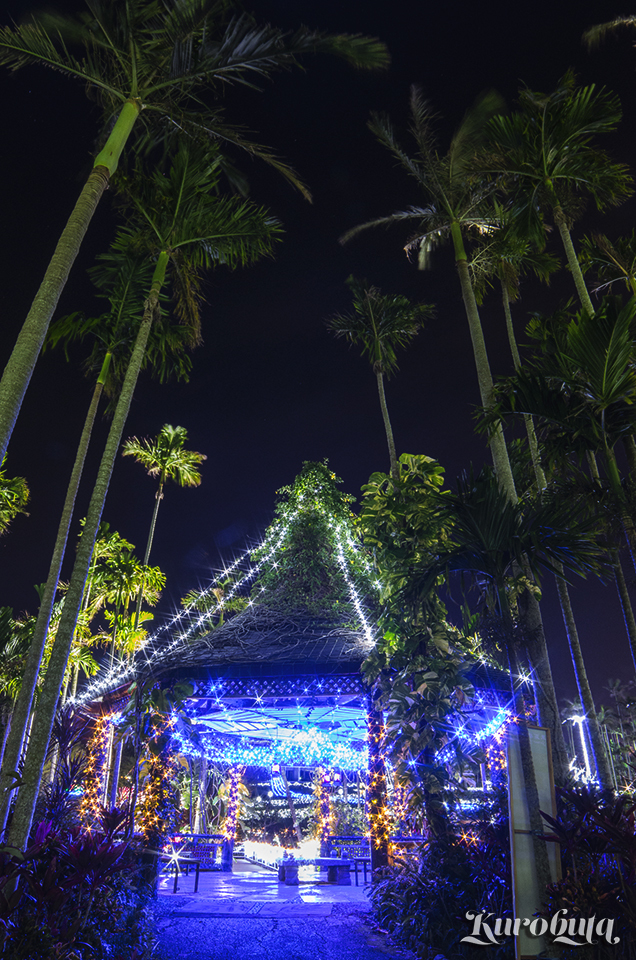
355	849
338	870
174	860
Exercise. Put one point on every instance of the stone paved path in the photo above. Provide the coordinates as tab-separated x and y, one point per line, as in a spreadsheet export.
250	916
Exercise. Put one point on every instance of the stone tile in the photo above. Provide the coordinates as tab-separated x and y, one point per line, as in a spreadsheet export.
295	910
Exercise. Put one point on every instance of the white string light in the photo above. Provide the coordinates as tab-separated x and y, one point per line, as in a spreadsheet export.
155	648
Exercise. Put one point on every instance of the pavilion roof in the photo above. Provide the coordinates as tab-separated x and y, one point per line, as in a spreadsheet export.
261	634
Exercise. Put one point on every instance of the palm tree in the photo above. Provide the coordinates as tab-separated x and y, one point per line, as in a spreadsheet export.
167	459
14	496
187	229
127	579
611	262
583	392
457	206
508	257
491	539
380	324
122	282
148	61
546	154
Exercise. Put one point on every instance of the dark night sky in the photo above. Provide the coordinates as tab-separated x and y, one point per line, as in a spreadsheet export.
271	387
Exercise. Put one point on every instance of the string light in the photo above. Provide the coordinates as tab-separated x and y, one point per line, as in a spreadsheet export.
96	773
233	803
156	811
303	748
156	649
348	556
325	819
377	814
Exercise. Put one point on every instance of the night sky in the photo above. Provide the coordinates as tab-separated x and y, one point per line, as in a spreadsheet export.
270	386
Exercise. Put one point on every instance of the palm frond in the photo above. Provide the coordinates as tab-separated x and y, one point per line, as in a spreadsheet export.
470	135
596	34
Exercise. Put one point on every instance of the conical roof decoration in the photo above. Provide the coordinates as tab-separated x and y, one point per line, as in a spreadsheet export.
306	611
262	635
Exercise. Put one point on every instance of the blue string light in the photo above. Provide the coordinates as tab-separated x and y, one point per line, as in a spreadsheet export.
304	748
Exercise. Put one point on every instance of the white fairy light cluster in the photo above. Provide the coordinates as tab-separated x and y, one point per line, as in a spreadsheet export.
187	624
353	593
156	648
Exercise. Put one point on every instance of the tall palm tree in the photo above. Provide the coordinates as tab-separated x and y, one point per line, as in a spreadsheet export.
148	61
380	324
126	579
491	539
582	392
545	151
187	229
167	459
122	282
508	257
457	207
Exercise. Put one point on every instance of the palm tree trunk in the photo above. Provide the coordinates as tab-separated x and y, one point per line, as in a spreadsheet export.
603	771
516	359
626	604
24	702
573	263
49	695
542	864
151	534
484	375
585	693
18	371
387	426
130	827
543	682
629	445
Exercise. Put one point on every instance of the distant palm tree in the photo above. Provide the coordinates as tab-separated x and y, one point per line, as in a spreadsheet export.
456	207
167	459
148	63
546	155
380	324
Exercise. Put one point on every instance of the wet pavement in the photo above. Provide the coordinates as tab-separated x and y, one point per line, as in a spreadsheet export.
252	890
249	915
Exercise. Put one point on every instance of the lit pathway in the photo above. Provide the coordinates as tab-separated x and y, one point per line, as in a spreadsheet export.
248	915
